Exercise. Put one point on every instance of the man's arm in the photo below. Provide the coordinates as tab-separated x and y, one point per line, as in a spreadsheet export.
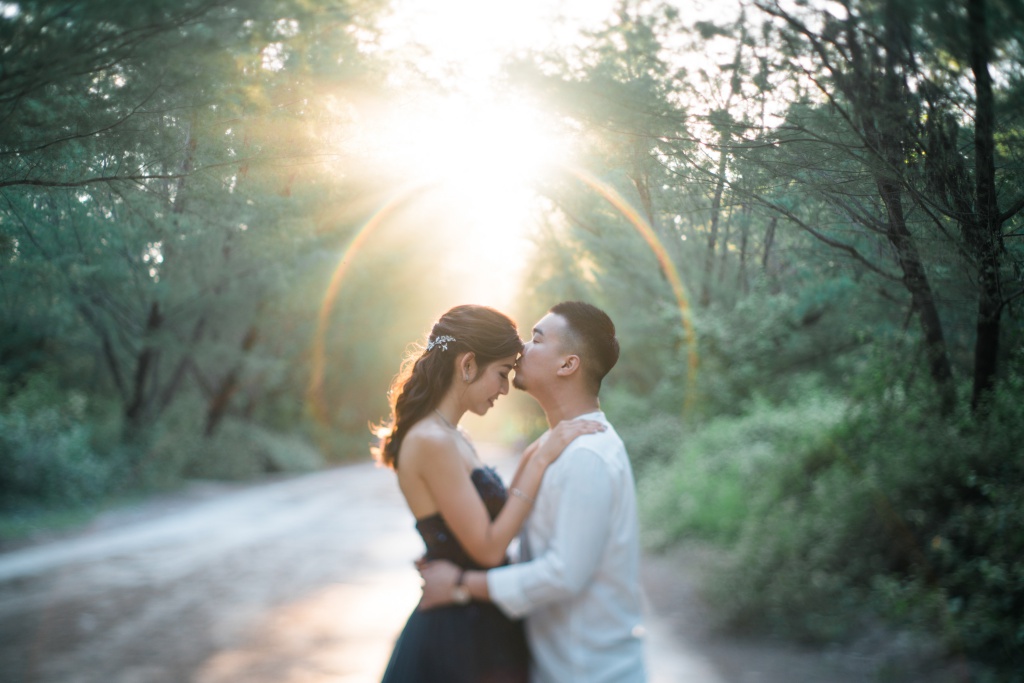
582	526
440	578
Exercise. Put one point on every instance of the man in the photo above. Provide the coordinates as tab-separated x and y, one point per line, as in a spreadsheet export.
577	582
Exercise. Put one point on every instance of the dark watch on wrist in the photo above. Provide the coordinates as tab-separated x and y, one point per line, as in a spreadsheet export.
460	594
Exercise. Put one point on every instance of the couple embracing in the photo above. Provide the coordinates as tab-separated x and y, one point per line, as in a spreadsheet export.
568	610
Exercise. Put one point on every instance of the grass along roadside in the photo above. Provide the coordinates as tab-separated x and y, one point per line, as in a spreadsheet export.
837	522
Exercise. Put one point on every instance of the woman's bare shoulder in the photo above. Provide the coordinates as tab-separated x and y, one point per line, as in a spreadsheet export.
427	439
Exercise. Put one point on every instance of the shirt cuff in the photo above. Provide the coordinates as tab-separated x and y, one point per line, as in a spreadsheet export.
506	592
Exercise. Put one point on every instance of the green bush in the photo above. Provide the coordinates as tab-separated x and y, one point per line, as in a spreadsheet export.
46	448
654	442
176	450
161	454
895	512
241	450
700	484
781	345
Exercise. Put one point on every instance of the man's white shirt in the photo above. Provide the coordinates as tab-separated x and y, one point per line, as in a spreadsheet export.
578	579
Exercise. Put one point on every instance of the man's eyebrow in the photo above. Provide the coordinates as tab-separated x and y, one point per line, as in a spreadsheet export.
539	331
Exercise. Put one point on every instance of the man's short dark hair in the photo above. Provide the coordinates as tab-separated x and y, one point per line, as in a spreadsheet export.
591	337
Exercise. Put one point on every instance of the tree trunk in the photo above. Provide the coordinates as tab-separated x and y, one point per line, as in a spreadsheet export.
884	120
769	239
136	408
184	363
726	236
741	278
107	346
218	404
985	230
642	185
716	210
915	279
186	168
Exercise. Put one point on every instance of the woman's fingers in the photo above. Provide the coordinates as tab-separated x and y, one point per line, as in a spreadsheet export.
574	428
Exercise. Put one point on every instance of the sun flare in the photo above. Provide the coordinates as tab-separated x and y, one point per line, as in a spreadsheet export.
455	132
471	144
482	158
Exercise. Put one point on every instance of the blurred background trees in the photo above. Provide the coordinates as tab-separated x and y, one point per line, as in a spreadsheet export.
170	216
837	187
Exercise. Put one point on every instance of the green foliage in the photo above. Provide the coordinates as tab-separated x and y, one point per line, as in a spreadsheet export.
176	450
706	478
162	454
837	518
779	346
818	188
652	441
243	451
48	447
188	297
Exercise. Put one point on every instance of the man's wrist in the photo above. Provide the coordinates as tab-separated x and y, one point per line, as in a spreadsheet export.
476	583
460	592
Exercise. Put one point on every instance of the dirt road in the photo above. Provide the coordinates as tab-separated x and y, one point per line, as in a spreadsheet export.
305	580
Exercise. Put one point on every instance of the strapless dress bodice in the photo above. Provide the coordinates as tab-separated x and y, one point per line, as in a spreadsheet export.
440	541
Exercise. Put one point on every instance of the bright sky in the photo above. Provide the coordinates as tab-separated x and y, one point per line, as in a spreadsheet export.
479	148
476	36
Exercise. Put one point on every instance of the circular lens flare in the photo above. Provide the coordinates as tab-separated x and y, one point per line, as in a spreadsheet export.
315	394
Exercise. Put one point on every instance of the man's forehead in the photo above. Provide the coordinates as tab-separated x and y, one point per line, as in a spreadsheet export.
550	325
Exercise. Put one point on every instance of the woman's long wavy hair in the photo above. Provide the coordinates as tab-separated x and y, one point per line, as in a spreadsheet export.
425	377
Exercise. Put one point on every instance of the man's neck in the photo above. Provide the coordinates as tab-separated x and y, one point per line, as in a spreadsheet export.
569	407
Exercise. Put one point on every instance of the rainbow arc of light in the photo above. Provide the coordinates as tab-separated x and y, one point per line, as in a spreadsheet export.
613	197
668	268
318	352
315	395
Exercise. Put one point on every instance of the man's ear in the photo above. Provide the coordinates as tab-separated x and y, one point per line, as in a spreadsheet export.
570	364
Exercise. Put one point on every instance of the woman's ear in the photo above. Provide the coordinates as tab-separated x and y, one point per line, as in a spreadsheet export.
467	367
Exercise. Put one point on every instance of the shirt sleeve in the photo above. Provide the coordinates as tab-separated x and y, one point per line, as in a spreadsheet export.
582	524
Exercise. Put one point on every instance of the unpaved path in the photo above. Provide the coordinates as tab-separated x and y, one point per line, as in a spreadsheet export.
305	580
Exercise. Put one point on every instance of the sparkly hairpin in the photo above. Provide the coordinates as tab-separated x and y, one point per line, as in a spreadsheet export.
441	341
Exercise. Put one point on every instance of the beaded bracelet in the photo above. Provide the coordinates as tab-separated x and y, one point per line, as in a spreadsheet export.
519	494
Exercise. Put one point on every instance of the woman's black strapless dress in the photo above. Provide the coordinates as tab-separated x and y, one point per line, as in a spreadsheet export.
472	643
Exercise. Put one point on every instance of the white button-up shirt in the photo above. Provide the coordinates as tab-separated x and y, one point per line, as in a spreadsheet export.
578	581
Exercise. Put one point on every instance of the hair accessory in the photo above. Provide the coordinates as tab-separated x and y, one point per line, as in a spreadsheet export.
441	341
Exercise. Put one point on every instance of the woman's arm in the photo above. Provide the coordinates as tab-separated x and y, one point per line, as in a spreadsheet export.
563	434
581	529
459	503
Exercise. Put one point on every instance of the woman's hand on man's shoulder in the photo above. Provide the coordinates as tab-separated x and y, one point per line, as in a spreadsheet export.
555	440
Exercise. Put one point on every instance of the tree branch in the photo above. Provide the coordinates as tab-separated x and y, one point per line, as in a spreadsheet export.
1009	299
1014	209
841	246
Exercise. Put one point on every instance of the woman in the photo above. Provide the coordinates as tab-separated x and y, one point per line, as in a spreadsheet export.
461	507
